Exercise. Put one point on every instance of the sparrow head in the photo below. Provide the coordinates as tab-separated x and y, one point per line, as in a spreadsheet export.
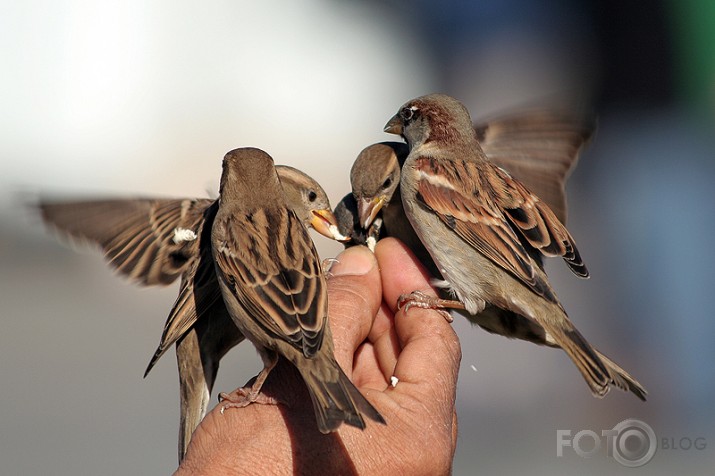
375	176
242	169
309	202
432	118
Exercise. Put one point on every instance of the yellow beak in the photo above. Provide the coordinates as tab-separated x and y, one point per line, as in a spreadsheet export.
324	222
368	210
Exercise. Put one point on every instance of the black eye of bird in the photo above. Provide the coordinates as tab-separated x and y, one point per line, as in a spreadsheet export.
387	182
407	114
312	196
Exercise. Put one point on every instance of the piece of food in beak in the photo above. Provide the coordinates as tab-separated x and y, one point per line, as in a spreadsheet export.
324	222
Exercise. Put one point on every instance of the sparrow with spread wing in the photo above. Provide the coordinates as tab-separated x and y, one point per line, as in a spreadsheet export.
486	233
154	241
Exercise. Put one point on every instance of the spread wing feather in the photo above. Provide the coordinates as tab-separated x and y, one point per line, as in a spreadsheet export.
136	235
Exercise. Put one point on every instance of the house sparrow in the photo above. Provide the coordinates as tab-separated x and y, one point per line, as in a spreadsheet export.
375	181
307	199
348	225
273	286
486	233
374	177
153	241
538	147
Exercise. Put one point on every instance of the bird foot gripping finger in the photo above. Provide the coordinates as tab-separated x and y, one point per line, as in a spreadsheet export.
244	396
425	301
326	264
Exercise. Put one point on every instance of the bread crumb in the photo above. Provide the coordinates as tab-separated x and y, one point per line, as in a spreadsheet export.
183	234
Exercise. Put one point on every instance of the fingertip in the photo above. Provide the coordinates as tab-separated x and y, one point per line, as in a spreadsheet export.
353	261
401	271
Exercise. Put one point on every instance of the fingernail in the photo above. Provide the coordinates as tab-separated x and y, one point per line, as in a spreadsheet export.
355	261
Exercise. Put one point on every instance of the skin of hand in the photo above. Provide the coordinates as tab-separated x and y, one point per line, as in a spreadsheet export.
373	342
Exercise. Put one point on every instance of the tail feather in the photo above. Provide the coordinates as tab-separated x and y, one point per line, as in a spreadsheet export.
599	371
336	400
622	379
195	384
198	354
587	360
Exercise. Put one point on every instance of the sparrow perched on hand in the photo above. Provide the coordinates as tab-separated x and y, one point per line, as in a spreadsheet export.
273	286
307	199
374	209
153	241
486	234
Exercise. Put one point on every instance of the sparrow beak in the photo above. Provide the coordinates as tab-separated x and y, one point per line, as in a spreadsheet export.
368	210
324	222
394	125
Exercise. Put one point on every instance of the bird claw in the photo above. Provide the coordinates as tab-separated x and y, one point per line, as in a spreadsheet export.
244	396
425	301
326	264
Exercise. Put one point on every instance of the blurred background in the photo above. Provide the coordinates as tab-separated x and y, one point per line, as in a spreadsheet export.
144	98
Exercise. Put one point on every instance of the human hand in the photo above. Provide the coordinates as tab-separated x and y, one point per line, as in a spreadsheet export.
373	342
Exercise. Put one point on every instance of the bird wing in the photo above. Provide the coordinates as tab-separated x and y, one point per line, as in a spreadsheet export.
272	267
136	235
539	148
199	291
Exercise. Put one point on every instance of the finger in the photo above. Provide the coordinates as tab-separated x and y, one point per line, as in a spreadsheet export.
383	333
385	344
431	353
366	368
355	294
401	271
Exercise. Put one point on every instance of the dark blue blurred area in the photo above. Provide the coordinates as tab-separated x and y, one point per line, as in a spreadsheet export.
625	49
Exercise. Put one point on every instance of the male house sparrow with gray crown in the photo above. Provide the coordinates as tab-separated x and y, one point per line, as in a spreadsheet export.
486	233
273	286
537	146
153	241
